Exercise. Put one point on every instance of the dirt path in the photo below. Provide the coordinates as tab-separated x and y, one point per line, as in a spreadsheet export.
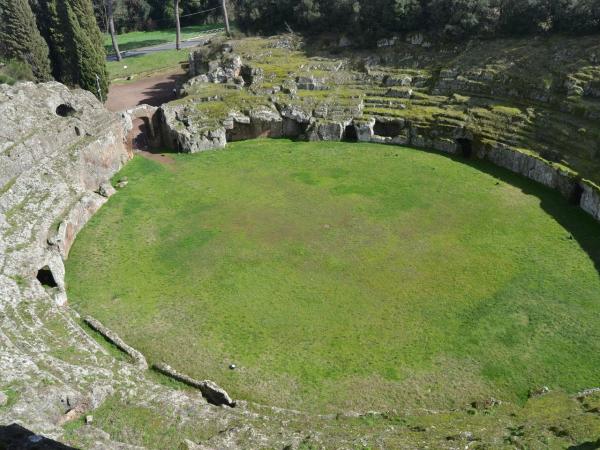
154	90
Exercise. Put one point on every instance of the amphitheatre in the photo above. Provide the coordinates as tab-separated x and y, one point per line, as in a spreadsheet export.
313	246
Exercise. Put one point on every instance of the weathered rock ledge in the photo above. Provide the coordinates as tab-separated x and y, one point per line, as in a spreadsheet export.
187	133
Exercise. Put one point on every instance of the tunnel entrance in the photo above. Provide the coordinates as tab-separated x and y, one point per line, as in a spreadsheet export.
293	129
391	128
350	134
576	194
45	277
465	147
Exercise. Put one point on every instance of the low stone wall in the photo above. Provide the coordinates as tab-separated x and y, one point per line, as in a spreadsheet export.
114	338
590	199
210	390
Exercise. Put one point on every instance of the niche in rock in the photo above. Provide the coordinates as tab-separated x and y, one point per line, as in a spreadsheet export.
465	147
390	128
350	134
576	194
242	132
46	278
65	110
293	129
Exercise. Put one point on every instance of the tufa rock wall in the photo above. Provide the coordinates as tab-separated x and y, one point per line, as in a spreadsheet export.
58	148
186	133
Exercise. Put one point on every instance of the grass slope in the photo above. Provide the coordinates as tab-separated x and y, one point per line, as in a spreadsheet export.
146	64
139	39
346	276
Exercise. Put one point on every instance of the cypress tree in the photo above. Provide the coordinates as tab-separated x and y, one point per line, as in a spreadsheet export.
86	46
20	39
76	43
51	27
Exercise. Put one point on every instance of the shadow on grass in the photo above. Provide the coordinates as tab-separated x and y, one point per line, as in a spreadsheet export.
580	225
586	446
136	44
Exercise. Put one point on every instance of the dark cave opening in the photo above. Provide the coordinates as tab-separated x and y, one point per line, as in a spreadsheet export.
390	128
65	110
46	278
465	147
576	194
350	134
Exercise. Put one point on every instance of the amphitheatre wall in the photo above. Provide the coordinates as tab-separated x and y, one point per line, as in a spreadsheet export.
58	151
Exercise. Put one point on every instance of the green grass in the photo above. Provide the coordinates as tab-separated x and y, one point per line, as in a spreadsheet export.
346	276
146	64
139	39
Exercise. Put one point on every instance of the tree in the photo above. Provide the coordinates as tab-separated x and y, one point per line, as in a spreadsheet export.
177	25
226	17
87	47
20	38
111	28
76	43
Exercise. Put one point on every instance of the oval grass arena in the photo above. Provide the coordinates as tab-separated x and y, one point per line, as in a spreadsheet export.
342	277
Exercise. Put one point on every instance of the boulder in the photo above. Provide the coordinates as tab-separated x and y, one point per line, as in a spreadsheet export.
189	135
106	190
364	130
295	113
325	131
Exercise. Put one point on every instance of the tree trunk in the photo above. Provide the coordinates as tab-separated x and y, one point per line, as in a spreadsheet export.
111	28
226	17
177	25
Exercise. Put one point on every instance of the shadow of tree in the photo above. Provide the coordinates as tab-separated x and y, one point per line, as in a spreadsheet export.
16	437
586	446
136	44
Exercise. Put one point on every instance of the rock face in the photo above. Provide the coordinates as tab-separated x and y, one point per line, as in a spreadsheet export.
179	133
59	146
590	199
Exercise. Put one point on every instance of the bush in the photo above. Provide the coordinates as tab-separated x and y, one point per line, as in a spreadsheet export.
14	71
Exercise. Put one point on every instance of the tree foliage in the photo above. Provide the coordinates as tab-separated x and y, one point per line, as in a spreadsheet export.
372	19
20	38
135	15
76	43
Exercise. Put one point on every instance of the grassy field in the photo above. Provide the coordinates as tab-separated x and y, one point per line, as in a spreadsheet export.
146	64
346	276
151	62
139	39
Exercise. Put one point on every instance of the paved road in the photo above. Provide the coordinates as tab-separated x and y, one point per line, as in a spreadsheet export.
188	43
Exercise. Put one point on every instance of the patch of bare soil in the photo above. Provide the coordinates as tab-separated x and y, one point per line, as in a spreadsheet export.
138	141
154	90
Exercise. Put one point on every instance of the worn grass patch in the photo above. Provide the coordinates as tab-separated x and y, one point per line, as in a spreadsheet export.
346	276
